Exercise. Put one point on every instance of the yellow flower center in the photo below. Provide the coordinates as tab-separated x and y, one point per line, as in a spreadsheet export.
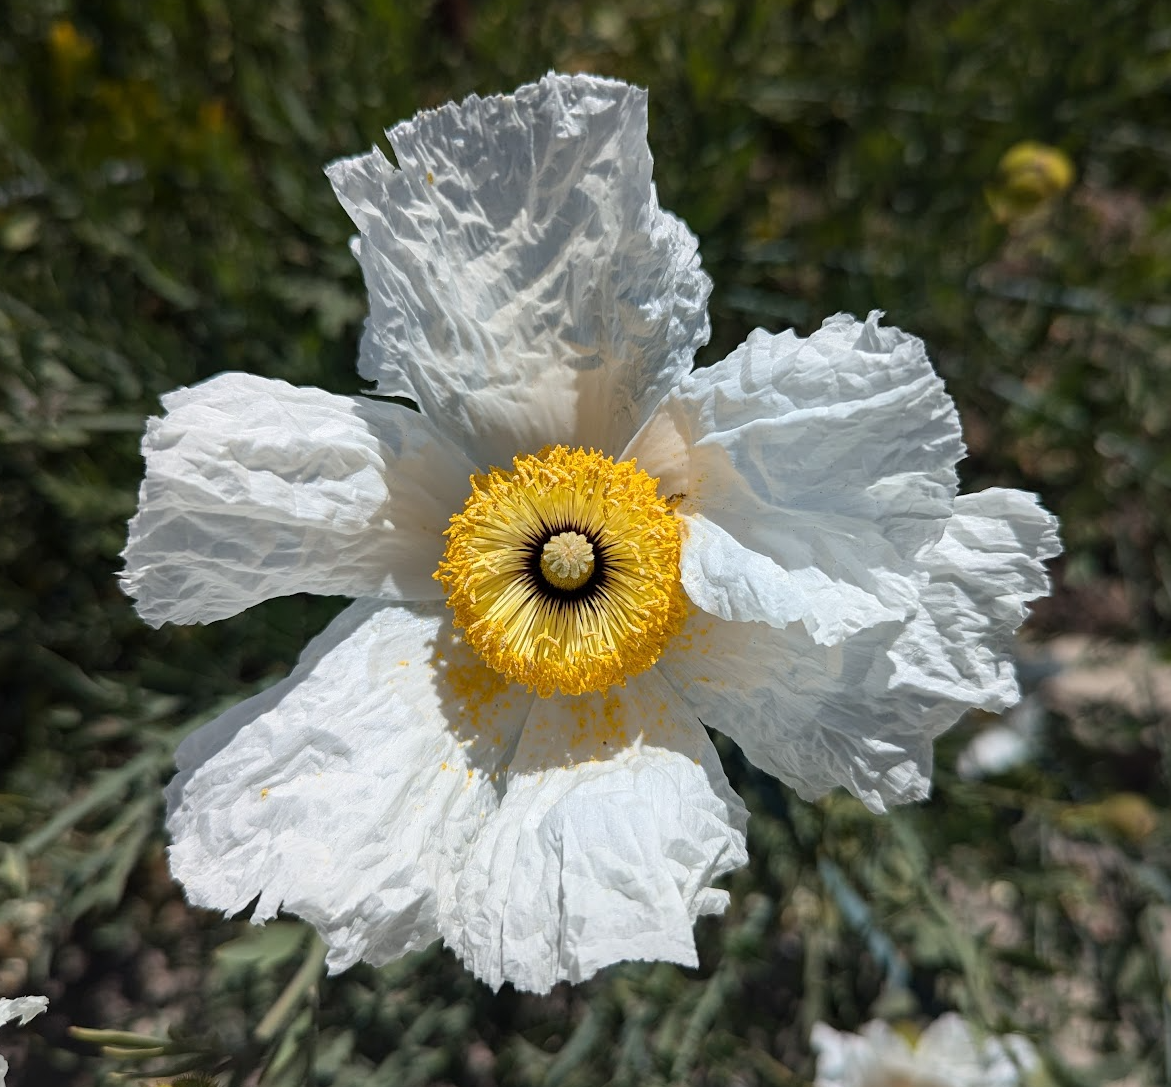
564	572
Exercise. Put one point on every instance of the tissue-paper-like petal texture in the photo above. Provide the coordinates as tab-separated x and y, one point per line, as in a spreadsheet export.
349	793
813	470
255	488
863	713
615	820
525	287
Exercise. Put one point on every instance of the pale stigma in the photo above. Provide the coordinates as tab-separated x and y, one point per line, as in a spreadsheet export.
567	560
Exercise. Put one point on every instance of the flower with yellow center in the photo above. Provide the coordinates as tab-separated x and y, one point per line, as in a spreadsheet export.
499	742
949	1053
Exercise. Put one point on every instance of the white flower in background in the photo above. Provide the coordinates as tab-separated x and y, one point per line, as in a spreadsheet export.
1008	744
499	743
23	1008
949	1053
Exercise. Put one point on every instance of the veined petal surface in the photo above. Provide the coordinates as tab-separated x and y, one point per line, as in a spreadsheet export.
616	819
813	470
863	713
525	287
348	793
255	488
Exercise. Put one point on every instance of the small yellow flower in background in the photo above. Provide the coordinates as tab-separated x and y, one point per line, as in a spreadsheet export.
23	1008
571	558
213	116
1128	815
1030	175
69	47
949	1053
70	56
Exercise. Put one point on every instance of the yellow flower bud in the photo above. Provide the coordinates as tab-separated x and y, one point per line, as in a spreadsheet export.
1029	176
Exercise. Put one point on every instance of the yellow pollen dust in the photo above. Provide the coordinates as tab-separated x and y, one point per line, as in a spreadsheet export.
567	560
564	573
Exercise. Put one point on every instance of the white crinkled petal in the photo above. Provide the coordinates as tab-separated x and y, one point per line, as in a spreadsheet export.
23	1008
974	1059
729	580
616	819
814	716
525	287
348	793
813	471
863	713
875	1057
255	488
985	568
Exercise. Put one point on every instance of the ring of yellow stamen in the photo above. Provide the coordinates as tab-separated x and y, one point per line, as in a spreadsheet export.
564	572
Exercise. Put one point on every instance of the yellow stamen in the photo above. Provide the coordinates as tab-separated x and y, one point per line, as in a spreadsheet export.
564	572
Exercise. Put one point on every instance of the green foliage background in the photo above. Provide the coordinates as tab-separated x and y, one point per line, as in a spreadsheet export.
163	217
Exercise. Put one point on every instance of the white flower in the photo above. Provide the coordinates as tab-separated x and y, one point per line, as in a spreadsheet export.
23	1008
520	769
949	1053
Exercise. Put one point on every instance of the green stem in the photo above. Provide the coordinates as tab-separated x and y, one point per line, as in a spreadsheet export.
107	788
278	1016
123	1038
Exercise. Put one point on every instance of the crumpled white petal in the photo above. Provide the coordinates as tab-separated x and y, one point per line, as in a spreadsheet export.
813	472
616	819
986	566
23	1008
949	1053
255	488
863	713
349	792
525	287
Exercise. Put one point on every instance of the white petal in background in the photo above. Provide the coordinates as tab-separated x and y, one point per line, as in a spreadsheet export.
863	713
616	819
976	1060
256	489
348	794
813	471
22	1008
525	287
